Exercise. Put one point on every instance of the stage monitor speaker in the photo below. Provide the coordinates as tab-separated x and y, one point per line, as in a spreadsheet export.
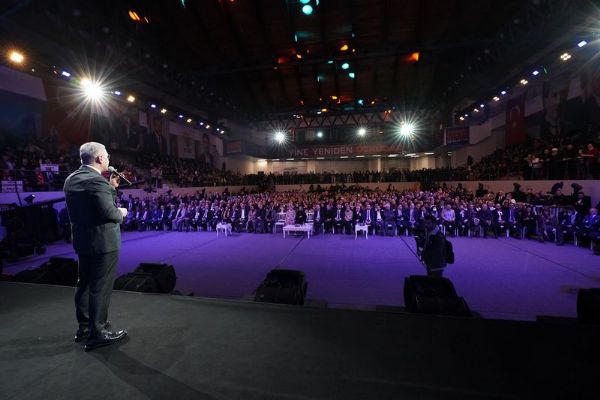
283	286
588	306
429	295
136	282
163	274
55	271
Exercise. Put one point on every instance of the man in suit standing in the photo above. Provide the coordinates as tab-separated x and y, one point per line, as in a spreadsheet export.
97	241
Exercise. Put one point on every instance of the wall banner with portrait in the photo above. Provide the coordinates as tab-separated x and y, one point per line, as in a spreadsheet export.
198	144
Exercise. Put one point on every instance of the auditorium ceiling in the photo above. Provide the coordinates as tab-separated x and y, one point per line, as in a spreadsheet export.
261	59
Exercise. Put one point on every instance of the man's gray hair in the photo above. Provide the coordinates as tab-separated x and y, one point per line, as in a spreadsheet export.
89	151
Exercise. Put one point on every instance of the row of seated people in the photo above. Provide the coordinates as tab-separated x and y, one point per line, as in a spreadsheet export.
383	212
195	217
465	220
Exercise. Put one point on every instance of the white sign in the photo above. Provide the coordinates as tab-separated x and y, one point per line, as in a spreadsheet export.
12	186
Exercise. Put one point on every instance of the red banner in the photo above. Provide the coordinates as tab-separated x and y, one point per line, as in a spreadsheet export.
515	120
66	116
234	147
457	135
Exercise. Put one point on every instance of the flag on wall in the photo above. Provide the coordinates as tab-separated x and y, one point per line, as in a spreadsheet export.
515	120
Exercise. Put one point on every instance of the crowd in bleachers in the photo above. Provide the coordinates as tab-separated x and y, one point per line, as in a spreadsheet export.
22	161
552	216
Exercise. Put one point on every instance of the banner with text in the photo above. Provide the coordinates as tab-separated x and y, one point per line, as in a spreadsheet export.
340	150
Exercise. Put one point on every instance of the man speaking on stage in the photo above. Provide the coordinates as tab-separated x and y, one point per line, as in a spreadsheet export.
97	241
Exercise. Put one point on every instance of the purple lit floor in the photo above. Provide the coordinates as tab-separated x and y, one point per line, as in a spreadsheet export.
499	278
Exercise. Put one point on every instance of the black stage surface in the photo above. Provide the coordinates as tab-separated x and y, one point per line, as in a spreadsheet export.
193	348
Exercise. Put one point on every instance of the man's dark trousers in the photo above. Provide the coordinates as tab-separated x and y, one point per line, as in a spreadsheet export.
94	288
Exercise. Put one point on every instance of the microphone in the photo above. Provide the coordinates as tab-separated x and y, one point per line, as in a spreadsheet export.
112	170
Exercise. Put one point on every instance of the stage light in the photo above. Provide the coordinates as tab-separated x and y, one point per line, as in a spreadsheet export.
466	115
189	120
130	98
323	110
462	118
428	153
319	134
117	92
476	110
207	126
407	129
152	105
134	16
503	92
201	123
582	43
180	116
362	131
565	56
16	57
524	82
334	97
482	105
535	73
299	56
29	199
352	75
329	61
414	57
65	74
345	65
163	111
344	47
496	98
279	137
307	9
304	1
92	90
361	102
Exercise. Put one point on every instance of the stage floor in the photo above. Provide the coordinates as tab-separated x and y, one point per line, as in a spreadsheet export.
499	278
192	348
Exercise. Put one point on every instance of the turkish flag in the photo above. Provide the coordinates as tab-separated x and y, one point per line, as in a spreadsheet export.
515	120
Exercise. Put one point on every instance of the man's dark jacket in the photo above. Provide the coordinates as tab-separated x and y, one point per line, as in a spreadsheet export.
94	217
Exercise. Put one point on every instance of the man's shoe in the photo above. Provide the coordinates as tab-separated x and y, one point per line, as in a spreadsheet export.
106	339
83	332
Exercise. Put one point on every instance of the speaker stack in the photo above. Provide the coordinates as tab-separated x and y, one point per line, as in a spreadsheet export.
148	278
432	295
55	271
283	286
588	306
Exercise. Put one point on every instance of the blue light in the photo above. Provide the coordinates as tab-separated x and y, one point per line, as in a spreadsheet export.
117	92
329	61
307	9
535	73
361	102
152	105
180	116
65	74
304	1
345	65
351	75
582	43
503	92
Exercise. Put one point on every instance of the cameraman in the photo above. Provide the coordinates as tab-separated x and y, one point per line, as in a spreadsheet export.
432	245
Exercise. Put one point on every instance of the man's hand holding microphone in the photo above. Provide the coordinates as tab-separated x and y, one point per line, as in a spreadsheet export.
115	179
